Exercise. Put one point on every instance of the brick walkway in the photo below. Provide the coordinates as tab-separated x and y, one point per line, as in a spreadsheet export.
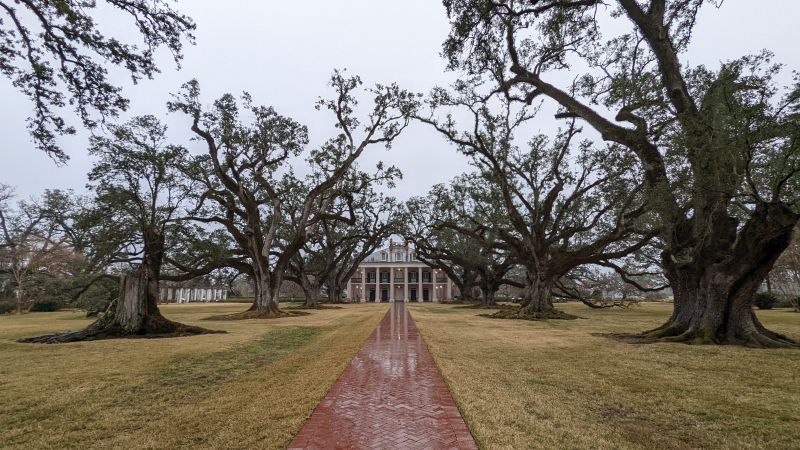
390	397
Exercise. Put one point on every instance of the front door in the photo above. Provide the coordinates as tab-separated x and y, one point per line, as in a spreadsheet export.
425	295
384	295
413	294
372	295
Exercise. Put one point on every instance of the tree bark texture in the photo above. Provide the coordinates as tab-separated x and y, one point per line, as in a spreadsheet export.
713	293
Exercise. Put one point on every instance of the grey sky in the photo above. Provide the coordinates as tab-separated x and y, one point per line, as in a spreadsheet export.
283	53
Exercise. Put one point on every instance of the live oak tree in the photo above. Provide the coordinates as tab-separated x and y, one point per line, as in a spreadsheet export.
456	229
567	204
718	147
346	247
138	183
55	53
435	246
245	175
336	248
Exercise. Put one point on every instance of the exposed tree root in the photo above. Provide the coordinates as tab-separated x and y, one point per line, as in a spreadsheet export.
694	336
464	301
317	306
482	306
522	313
154	327
258	314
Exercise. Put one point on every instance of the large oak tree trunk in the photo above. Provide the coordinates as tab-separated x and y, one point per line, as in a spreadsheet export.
335	291
537	303
488	298
266	294
466	289
539	300
713	296
135	312
310	292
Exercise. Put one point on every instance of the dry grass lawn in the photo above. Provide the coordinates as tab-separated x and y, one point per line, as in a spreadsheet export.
562	384
250	388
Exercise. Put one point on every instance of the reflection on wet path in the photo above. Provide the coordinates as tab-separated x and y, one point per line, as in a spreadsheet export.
390	397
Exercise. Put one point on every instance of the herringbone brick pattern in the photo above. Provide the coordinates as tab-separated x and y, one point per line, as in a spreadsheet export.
390	397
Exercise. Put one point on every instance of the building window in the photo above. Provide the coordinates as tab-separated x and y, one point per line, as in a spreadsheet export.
398	256
426	277
383	256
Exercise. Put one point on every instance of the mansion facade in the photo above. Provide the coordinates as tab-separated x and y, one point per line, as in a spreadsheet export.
392	274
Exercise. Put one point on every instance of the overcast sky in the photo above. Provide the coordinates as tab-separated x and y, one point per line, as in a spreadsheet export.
284	52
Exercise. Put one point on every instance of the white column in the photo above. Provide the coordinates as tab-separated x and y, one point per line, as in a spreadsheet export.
224	294
349	295
363	284
433	285
391	284
449	289
405	286
419	284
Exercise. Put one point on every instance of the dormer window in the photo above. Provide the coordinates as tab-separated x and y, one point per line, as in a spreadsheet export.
383	256
398	256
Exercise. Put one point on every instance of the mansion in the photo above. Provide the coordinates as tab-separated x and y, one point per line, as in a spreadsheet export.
393	274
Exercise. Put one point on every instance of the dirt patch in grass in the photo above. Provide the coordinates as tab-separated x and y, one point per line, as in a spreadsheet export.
301	307
565	384
252	387
519	313
245	315
481	306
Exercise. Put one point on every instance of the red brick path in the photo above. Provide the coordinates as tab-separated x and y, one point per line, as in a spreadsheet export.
390	397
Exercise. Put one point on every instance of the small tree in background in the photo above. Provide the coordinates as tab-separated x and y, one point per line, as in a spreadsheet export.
455	228
33	248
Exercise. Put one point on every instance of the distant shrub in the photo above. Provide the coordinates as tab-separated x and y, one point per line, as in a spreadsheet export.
783	301
765	300
7	305
46	305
